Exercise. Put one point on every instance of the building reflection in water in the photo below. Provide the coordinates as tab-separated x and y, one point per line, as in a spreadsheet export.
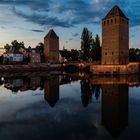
51	90
114	97
115	108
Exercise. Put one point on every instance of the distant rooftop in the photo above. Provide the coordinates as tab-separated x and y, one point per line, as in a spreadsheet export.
51	34
115	11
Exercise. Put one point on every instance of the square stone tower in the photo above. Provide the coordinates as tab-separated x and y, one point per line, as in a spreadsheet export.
51	47
115	38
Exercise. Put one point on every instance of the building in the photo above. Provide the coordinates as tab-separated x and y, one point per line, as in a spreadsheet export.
51	47
115	38
12	57
33	55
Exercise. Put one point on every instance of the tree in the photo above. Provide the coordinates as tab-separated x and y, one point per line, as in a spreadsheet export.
74	54
14	45
95	53
17	45
86	40
40	48
7	47
134	54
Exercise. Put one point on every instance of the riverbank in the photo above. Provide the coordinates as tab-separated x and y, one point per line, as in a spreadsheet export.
31	67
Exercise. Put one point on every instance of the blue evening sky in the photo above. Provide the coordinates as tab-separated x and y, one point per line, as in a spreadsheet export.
30	20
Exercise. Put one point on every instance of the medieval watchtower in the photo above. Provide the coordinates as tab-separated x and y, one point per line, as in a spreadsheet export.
51	47
115	37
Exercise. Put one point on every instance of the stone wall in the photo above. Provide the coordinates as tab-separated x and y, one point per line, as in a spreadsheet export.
131	68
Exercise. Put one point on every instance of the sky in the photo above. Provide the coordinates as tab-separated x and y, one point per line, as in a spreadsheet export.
30	20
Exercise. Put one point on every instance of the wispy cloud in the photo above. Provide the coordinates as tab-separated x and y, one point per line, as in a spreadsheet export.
39	31
75	34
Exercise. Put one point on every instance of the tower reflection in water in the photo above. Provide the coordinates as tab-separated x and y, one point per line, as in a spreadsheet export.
115	108
114	95
51	90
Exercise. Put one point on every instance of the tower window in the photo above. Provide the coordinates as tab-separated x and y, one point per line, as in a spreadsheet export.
107	21
111	21
104	22
112	53
115	20
105	53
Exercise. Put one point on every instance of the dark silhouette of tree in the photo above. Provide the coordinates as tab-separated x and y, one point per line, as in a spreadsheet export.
95	53
74	55
40	48
15	45
7	47
86	40
134	54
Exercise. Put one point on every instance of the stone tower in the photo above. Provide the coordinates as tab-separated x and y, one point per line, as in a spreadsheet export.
51	47
115	38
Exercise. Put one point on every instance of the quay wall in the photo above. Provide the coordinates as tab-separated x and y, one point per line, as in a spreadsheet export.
131	68
30	67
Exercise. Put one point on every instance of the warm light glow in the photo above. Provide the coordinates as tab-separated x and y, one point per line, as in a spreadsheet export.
81	65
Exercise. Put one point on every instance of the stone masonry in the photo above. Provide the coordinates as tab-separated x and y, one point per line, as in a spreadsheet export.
115	38
51	47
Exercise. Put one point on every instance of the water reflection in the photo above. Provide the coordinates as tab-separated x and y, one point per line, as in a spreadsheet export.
115	108
51	90
111	92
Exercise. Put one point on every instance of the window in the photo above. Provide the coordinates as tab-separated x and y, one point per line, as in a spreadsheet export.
115	20
111	21
112	53
105	53
107	21
104	22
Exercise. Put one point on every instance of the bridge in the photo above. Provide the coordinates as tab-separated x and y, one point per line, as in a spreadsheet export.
78	65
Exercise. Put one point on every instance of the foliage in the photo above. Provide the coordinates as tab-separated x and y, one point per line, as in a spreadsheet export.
40	48
86	39
15	45
134	54
95	53
74	55
90	47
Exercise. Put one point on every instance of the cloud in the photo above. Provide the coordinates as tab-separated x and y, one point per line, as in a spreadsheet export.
34	30
70	39
59	8
42	19
71	12
75	34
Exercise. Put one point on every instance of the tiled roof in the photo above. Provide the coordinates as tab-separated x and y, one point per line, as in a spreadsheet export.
51	34
115	11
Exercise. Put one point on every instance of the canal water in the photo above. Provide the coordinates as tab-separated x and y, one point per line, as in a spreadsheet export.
69	107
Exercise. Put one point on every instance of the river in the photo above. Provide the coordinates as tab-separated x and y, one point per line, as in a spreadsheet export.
69	107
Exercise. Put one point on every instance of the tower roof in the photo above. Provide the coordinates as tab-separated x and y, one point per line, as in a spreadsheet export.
51	34
115	11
